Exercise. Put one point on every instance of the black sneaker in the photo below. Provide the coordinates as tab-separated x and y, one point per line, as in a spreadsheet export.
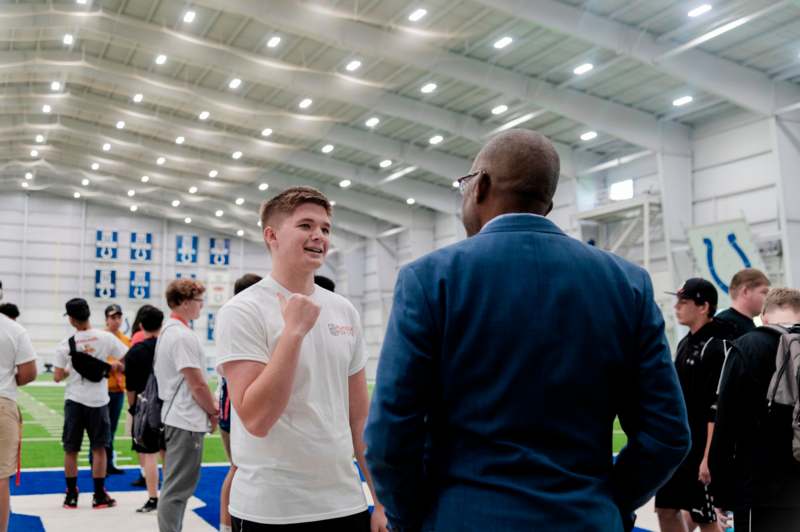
103	501
150	506
71	500
139	482
113	470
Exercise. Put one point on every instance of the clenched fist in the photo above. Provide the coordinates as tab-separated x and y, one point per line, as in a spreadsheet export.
300	313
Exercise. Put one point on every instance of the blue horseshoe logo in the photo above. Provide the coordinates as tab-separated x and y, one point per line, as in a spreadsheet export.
710	258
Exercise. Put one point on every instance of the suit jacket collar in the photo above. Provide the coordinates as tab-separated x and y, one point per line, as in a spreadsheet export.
520	222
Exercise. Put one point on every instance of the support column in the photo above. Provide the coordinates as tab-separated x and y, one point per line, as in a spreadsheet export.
786	142
675	180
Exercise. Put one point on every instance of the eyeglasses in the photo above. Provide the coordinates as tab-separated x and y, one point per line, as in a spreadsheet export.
462	181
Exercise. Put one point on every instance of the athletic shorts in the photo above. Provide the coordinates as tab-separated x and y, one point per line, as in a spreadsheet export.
79	418
9	436
224	407
685	492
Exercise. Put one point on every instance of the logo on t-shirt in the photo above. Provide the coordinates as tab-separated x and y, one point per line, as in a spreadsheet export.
341	330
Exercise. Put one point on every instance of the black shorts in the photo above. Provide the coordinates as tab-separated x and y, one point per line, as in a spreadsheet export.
352	523
685	492
79	418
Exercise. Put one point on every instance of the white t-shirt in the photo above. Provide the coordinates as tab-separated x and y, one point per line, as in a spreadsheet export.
99	344
179	348
15	349
303	470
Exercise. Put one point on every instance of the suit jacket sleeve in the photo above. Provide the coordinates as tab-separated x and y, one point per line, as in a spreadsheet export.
652	413
395	433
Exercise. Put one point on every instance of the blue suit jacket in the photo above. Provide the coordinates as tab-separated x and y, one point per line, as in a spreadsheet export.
506	359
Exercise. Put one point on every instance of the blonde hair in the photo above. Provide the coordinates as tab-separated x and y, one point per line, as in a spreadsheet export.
782	298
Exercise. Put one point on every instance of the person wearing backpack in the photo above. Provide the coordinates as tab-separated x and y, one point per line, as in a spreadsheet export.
80	361
752	447
138	369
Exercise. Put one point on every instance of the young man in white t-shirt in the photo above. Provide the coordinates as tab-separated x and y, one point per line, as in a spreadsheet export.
189	410
293	355
17	368
86	402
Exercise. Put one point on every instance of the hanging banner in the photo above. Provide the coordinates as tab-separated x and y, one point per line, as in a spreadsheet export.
217	288
141	247
139	285
186	249
210	328
105	284
185	275
106	245
219	251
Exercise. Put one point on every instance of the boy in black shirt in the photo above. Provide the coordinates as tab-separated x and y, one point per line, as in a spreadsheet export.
748	289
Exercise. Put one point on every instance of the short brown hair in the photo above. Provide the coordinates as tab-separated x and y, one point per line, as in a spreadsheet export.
180	290
245	281
782	298
747	278
274	210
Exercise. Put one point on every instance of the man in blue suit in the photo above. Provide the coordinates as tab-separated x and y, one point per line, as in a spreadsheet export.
508	356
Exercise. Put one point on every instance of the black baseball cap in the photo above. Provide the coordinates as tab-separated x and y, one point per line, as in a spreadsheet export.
698	290
113	309
78	308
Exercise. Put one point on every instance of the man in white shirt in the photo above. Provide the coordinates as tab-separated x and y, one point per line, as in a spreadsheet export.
17	368
86	402
293	355
189	410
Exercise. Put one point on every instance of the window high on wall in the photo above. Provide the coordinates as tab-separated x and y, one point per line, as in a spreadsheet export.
621	190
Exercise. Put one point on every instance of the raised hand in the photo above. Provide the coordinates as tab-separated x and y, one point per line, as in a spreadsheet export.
300	313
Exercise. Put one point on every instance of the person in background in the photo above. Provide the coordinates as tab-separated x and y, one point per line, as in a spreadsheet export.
10	310
245	281
116	385
748	289
325	282
17	368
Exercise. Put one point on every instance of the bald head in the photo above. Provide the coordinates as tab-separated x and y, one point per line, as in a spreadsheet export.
524	168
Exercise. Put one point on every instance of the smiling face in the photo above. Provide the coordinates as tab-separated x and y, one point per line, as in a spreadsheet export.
300	240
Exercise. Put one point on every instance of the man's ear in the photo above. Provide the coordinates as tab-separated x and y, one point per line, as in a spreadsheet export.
549	208
483	187
269	236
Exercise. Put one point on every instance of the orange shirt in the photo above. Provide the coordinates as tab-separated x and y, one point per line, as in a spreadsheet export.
116	379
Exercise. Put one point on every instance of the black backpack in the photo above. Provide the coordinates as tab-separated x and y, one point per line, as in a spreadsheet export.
87	366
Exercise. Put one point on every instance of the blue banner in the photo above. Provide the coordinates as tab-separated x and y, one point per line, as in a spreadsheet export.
219	251
211	327
186	249
182	275
139	285
106	245
105	284
141	247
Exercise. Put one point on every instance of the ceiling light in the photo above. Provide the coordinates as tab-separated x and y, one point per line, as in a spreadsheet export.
235	83
259	223
46	108
589	135
107	147
273	41
24	184
436	139
188	17
55	86
204	115
76	195
176	203
213	173
344	183
121	124
699	10
134	208
332	203
131	193
180	140
187	220
327	148
161	59
137	98
239	201
583	69
683	100
455	184
160	161
353	65
500	109
263	186
386	163
192	190
411	201
397	175
68	39
240	232
95	166
28	176
218	213
305	103
39	138
372	121
428	88
236	155
34	153
266	132
503	42
85	182
417	14
81	2
145	178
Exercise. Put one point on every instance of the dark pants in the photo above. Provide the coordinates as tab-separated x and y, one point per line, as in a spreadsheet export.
350	523
764	519
115	402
